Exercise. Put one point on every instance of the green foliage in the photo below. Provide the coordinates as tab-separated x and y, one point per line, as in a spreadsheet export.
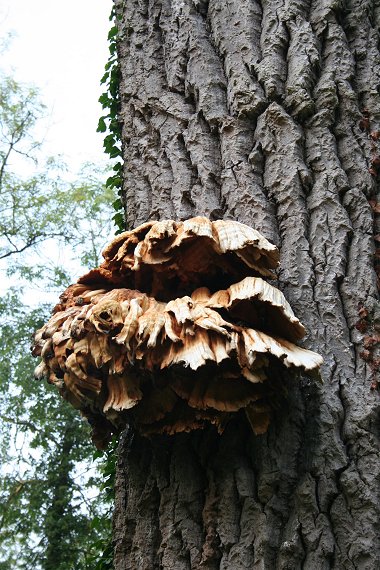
45	510
53	512
109	122
54	504
107	468
44	205
19	110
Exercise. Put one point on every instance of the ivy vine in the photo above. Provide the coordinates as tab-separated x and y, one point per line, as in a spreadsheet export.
108	470
109	122
110	125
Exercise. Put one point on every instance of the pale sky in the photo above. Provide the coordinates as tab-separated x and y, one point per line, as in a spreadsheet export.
61	47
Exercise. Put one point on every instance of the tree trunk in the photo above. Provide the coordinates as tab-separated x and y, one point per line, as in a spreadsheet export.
266	112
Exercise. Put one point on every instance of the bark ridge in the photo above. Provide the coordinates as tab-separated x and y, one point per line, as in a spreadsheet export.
265	112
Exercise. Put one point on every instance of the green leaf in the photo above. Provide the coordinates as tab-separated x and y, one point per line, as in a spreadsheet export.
114	152
104	100
117	204
114	182
119	220
104	78
102	127
112	33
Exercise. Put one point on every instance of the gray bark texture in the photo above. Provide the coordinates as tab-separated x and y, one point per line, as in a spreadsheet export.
266	112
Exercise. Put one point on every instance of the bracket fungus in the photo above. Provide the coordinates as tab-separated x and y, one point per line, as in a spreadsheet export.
175	329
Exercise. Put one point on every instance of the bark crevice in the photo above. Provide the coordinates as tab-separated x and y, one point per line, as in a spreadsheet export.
267	113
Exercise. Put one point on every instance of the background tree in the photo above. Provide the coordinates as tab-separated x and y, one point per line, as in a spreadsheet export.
267	113
53	512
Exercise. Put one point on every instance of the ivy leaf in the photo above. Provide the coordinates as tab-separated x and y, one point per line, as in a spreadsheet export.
115	152
104	78
114	182
112	33
117	204
102	127
104	100
119	220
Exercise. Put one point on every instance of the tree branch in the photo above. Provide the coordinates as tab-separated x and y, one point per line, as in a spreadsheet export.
25	423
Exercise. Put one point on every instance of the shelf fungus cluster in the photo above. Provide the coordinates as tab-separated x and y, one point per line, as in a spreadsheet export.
177	328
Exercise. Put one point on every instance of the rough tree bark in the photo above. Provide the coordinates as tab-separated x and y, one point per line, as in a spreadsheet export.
266	112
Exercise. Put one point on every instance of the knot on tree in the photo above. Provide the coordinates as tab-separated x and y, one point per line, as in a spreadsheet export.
177	328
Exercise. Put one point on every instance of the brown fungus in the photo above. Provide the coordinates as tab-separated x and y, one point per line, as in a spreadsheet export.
169	259
176	329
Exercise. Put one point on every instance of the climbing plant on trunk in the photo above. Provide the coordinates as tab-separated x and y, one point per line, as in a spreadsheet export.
266	113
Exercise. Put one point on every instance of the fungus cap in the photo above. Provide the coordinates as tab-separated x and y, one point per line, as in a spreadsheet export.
176	329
